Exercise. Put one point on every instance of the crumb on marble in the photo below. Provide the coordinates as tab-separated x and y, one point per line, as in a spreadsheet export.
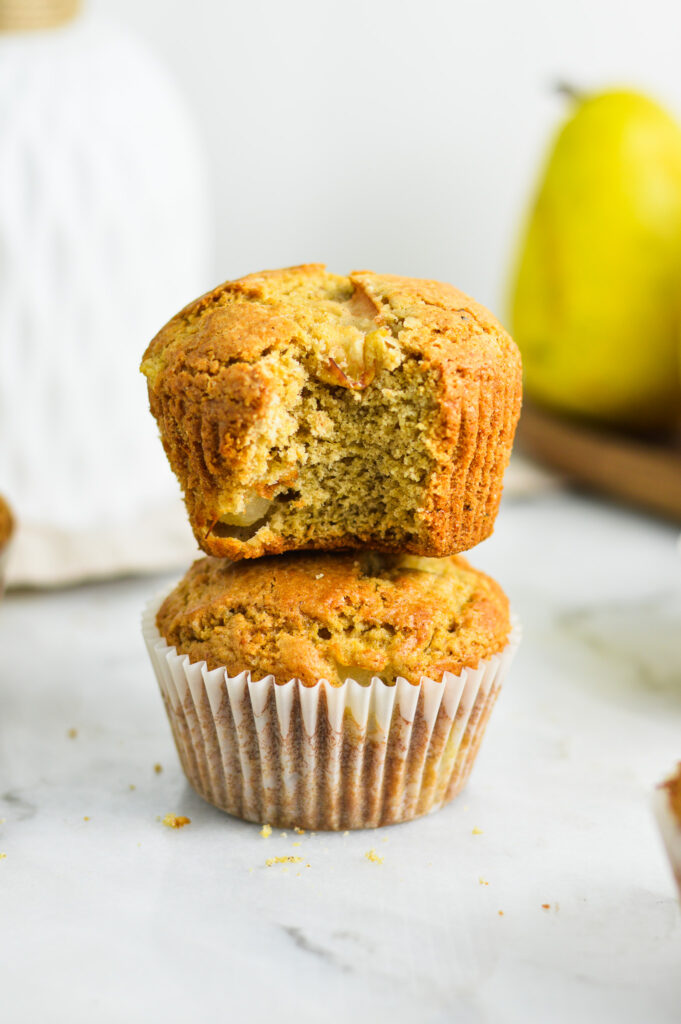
297	844
132	786
72	733
346	833
500	913
266	831
283	860
374	857
3	856
299	831
86	817
176	820
476	832
158	768
546	906
284	835
483	882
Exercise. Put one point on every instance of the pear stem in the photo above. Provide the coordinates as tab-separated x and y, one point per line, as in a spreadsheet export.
567	89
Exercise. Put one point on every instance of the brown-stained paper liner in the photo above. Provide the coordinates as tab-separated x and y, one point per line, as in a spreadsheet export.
670	828
322	756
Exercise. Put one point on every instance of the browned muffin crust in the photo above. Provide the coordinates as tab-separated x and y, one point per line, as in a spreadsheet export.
6	523
673	787
300	409
333	616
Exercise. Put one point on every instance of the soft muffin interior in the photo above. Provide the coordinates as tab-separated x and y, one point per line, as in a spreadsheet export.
343	448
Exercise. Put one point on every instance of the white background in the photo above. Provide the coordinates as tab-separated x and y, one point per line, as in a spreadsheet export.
401	137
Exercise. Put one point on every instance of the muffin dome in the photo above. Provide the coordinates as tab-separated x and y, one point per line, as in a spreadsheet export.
351	615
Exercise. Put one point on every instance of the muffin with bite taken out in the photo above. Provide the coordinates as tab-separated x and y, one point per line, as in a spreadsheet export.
305	410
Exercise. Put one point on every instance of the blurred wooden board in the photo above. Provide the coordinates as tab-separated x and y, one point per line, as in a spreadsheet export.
646	473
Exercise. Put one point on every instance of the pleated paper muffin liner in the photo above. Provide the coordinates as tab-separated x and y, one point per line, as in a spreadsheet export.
322	756
670	827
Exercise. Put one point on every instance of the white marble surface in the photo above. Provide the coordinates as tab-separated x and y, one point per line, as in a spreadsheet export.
120	919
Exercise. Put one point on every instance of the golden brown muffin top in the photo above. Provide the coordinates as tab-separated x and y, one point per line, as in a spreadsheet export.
6	522
263	384
673	787
316	615
354	325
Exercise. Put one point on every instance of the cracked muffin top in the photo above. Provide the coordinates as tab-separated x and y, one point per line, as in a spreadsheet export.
353	615
301	409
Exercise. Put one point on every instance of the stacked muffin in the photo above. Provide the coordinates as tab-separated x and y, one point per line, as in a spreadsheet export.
339	441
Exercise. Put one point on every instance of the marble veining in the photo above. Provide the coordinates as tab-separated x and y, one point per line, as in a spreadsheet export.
541	894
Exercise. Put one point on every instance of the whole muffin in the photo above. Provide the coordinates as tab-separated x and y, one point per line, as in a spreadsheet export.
668	810
330	690
300	409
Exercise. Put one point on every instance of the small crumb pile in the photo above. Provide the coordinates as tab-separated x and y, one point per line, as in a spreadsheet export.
176	820
374	857
283	860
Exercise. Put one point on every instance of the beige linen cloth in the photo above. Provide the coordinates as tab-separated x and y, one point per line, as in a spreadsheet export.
158	540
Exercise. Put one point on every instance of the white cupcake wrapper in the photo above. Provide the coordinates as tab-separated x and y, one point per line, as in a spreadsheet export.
323	756
670	828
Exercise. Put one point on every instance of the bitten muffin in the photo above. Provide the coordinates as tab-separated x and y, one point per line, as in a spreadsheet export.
304	410
330	691
314	616
668	810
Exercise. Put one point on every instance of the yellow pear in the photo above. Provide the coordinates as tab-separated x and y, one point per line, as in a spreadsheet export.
595	304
